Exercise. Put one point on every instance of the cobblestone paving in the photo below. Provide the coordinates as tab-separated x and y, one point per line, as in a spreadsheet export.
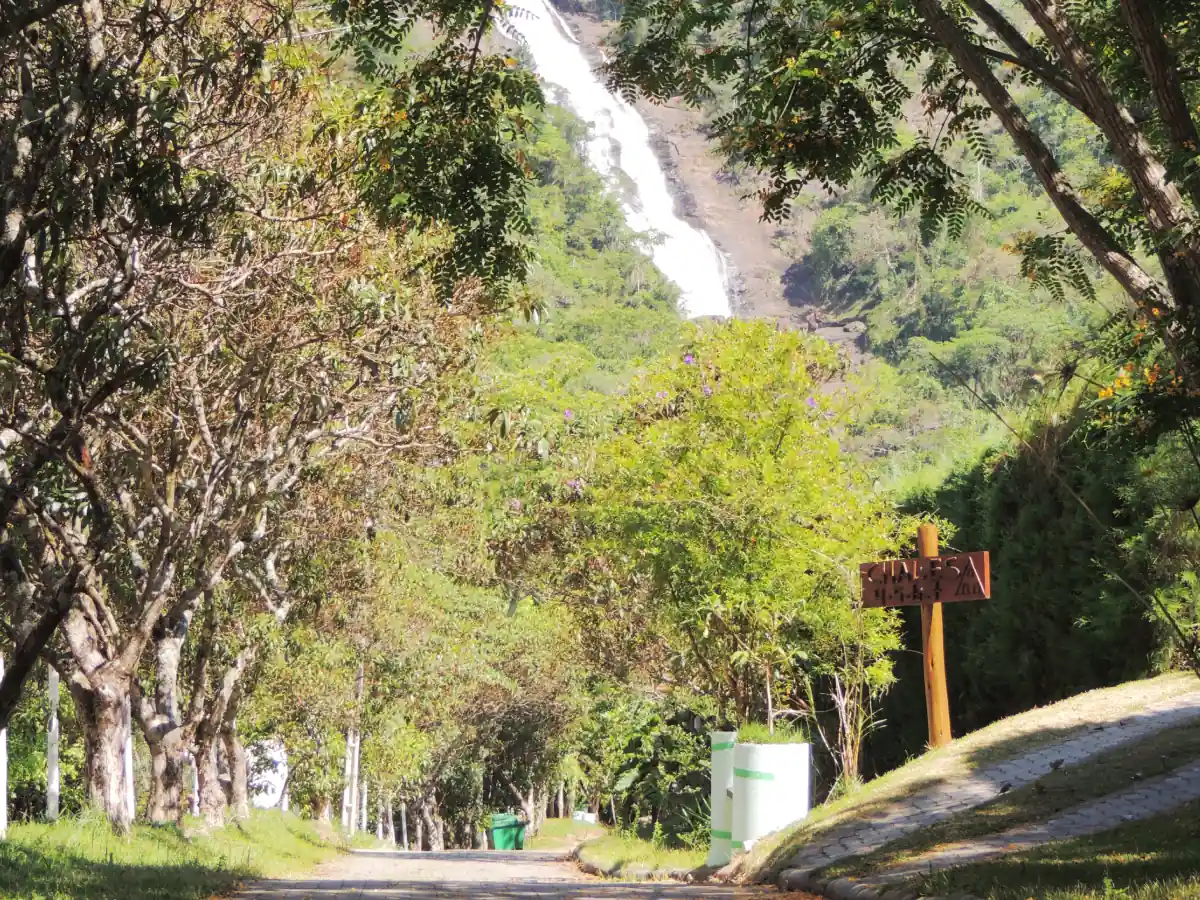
893	821
1148	798
478	875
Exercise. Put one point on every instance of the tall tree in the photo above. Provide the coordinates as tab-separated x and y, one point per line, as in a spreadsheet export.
724	515
821	89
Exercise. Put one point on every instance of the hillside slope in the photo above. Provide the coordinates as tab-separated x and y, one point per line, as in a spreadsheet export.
1070	770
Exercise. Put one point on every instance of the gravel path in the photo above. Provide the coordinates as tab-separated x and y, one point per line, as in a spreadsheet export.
479	875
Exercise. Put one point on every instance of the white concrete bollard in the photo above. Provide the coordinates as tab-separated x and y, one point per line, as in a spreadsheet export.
770	789
720	850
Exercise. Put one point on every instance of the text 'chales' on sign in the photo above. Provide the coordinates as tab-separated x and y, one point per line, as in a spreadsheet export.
934	579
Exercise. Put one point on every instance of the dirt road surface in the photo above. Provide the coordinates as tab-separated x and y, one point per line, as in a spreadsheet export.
478	875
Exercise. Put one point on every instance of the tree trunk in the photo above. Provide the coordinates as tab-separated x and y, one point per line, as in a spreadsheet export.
562	809
284	801
434	827
404	825
362	805
100	702
235	753
420	844
1171	222
390	823
165	804
3	769
1162	68
379	820
127	759
355	799
212	793
770	703
194	800
347	781
53	777
1091	233
28	651
326	814
159	718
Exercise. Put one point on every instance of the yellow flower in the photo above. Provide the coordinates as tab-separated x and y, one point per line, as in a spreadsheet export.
1105	393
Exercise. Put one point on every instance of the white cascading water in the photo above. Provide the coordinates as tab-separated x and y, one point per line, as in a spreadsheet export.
620	140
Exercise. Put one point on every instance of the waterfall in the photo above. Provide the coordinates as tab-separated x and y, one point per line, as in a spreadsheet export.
619	149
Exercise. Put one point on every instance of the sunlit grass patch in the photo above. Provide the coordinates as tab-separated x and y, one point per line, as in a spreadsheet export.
82	858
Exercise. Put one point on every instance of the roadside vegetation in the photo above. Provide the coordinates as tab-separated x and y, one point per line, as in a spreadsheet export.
625	856
81	859
365	430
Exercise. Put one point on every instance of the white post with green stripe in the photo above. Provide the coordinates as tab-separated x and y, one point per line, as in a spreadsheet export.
720	850
770	789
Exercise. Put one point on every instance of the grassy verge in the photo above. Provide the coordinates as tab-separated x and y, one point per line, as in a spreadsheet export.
624	856
81	859
1155	859
563	834
1104	774
1003	740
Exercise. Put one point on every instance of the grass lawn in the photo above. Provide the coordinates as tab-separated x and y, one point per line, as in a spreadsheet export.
563	834
1155	859
1104	774
1001	740
81	859
615	854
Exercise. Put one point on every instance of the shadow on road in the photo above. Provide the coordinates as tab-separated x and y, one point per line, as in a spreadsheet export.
489	856
380	889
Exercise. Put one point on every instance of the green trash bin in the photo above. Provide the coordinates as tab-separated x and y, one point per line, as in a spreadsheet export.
506	832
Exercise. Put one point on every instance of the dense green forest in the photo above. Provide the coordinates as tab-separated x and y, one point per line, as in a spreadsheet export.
345	416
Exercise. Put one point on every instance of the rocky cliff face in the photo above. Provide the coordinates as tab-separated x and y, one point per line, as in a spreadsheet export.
768	282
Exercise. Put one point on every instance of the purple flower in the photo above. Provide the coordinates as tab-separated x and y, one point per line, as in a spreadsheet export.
568	415
662	395
707	391
689	359
811	401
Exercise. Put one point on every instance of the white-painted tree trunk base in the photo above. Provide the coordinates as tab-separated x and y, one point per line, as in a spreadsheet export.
194	800
770	789
720	849
130	795
362	822
53	776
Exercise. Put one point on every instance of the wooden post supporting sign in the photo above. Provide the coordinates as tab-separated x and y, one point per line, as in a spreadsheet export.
937	698
928	582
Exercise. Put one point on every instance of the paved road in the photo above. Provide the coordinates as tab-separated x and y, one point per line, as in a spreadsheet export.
478	875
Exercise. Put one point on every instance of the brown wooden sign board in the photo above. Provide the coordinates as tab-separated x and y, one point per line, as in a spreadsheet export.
931	579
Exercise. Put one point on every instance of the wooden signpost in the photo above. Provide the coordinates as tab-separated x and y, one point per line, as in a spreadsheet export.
929	581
